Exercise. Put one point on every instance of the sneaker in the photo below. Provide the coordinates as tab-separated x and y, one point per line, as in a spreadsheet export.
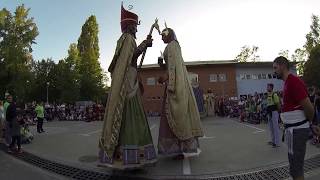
20	151
9	150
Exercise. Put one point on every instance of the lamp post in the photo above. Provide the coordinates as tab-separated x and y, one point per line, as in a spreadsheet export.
48	83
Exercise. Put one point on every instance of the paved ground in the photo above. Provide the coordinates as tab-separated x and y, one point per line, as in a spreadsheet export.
13	169
228	146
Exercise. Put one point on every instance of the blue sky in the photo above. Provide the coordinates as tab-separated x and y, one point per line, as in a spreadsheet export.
206	29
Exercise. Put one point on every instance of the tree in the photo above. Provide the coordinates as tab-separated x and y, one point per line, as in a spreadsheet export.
312	39
17	34
300	57
69	76
248	54
73	59
284	53
311	68
91	85
63	78
44	73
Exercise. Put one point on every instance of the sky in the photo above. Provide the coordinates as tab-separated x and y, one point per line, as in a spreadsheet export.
206	29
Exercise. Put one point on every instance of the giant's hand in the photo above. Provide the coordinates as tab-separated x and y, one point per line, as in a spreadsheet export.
148	41
160	61
161	80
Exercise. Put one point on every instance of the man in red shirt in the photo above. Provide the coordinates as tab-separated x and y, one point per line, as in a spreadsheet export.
297	113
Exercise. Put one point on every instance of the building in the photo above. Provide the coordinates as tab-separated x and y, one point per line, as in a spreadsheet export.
254	76
225	78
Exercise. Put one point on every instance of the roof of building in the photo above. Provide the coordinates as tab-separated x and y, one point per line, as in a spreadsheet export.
218	62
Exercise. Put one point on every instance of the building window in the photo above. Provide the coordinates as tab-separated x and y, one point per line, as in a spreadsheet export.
259	76
151	81
263	76
222	77
248	76
242	76
213	78
254	76
274	76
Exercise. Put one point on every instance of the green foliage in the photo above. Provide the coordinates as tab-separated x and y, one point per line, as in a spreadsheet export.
313	37
91	85
60	79
69	76
284	53
312	66
312	40
77	77
63	78
73	58
17	34
248	54
43	72
312	48
300	57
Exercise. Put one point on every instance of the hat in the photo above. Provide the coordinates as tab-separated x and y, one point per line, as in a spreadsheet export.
127	18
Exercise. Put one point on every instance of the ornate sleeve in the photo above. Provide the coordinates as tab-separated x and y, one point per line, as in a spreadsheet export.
120	43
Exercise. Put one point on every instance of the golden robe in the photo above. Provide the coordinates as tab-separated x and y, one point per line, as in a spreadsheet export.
183	115
126	140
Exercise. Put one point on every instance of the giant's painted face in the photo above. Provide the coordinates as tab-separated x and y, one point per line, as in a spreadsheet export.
168	35
131	29
165	35
165	32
